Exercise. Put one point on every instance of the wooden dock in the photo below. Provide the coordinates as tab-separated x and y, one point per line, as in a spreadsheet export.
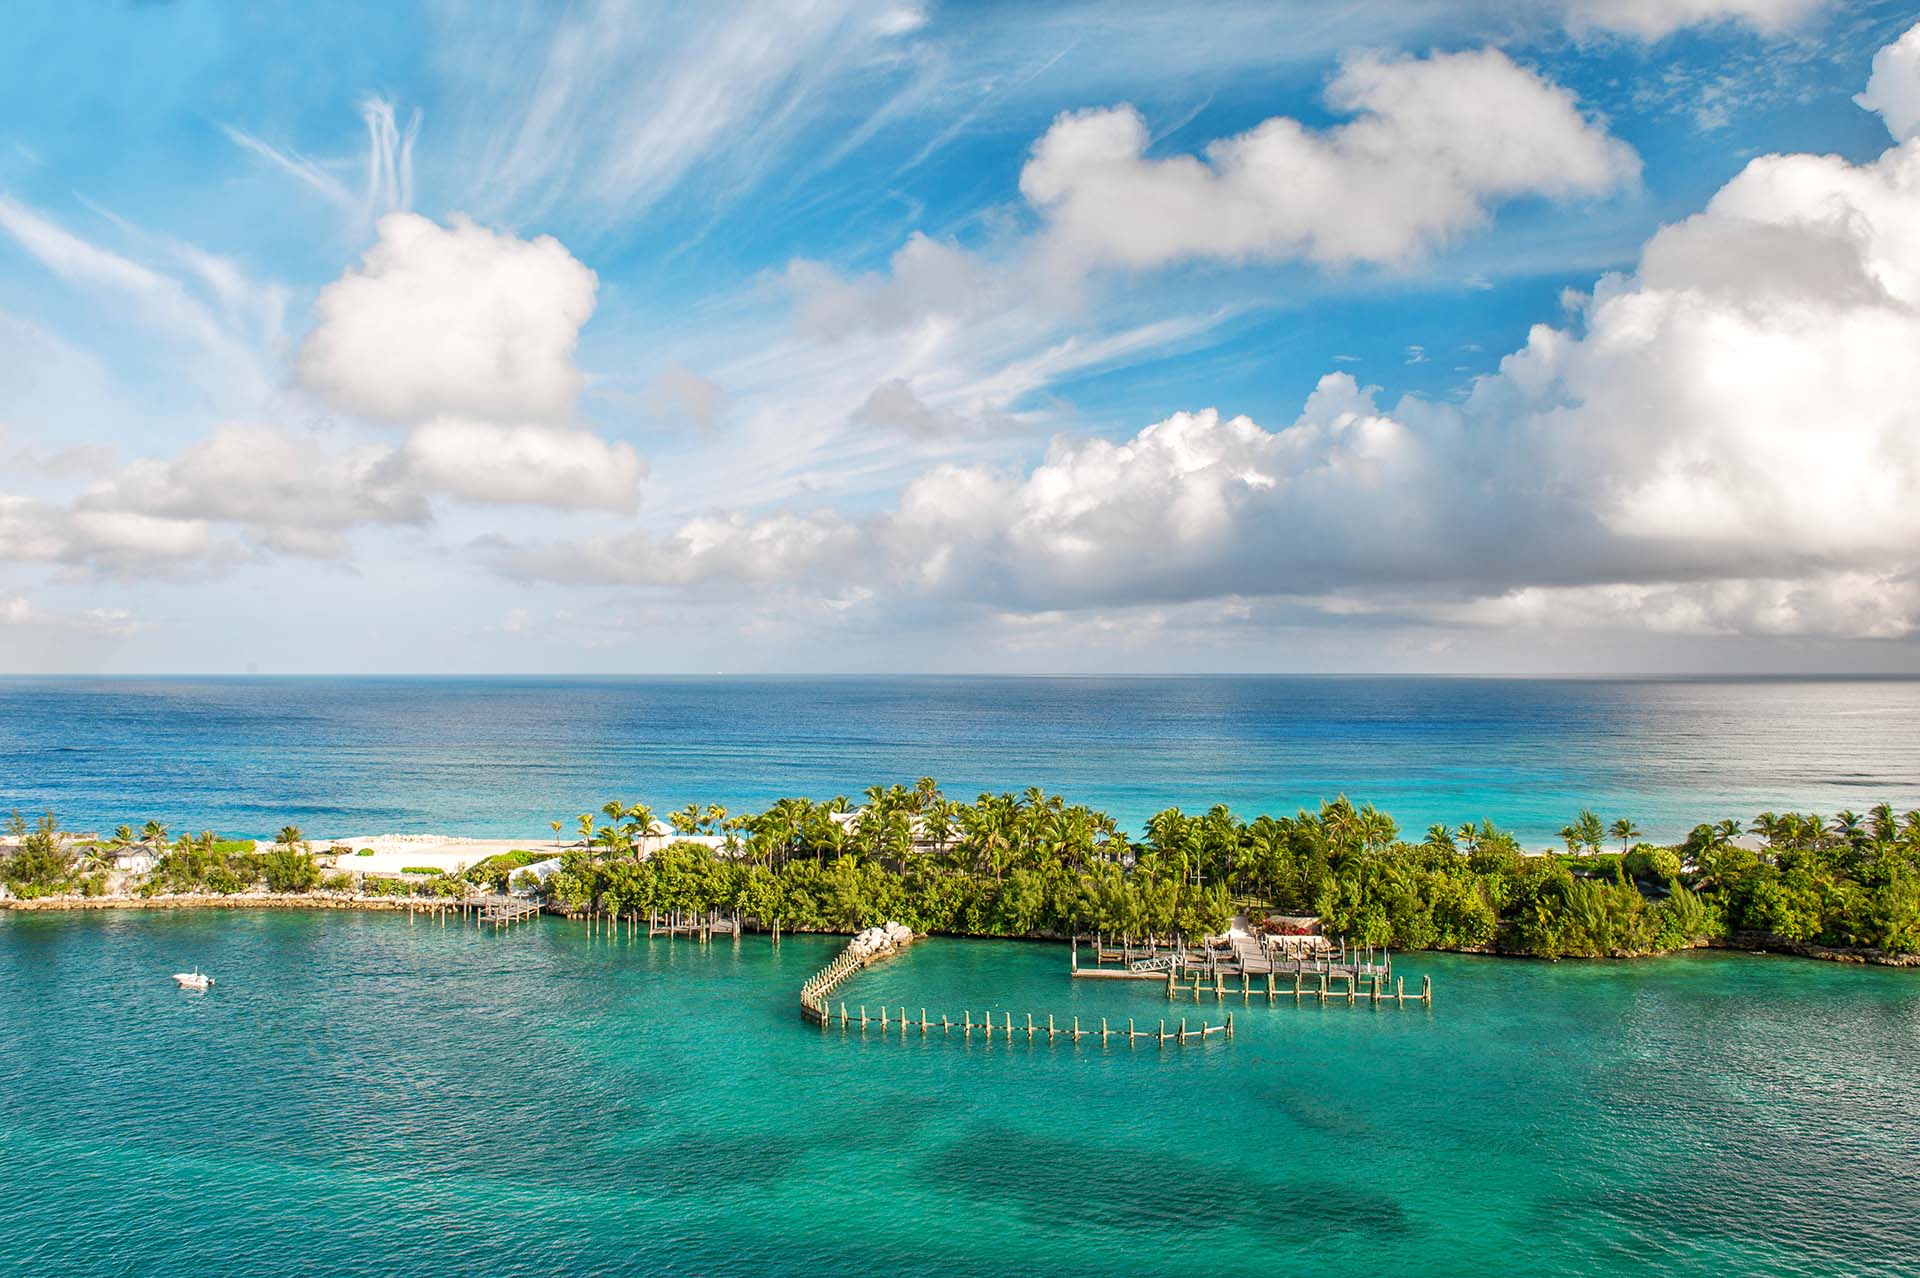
1249	967
506	911
701	925
817	1008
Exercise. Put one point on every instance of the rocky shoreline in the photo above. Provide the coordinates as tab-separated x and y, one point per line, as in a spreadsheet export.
866	945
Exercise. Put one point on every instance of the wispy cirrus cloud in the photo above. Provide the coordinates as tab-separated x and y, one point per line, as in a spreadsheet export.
388	164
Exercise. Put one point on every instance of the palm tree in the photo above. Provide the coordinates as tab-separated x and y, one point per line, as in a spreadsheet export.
1470	835
290	837
616	841
1847	826
1813	831
154	835
558	826
1592	833
639	818
1625	831
1886	828
1440	839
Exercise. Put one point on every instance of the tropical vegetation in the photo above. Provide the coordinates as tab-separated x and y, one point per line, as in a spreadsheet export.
1034	864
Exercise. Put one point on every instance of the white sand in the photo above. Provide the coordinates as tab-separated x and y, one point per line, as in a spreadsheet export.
393	853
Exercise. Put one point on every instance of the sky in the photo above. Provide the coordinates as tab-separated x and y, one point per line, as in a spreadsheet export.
1446	336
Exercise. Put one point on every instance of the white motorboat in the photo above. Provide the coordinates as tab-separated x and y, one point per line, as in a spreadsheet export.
194	980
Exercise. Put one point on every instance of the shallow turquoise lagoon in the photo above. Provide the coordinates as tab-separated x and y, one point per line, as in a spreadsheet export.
361	1094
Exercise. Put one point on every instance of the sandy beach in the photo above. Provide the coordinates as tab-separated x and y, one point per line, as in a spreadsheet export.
393	853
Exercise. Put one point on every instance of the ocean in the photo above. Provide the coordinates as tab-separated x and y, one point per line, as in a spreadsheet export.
361	1094
501	757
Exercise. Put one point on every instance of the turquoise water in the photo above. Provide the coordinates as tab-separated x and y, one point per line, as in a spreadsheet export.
364	1095
502	757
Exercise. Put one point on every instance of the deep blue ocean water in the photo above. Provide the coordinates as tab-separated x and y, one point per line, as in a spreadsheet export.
501	757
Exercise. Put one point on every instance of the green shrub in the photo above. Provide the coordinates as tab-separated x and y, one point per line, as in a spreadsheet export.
494	871
289	869
1683	919
1661	865
340	881
224	882
364	852
420	869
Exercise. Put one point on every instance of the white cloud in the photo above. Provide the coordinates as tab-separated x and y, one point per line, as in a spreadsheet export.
457	320
679	389
389	164
19	612
112	541
1652	19
1893	91
1838	605
300	494
1435	143
163	303
734	548
895	406
530	465
264	478
1724	441
627	100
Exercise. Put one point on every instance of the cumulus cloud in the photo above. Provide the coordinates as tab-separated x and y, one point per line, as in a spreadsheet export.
1434	144
456	320
925	278
264	477
525	465
109	541
303	494
1893	91
1723	441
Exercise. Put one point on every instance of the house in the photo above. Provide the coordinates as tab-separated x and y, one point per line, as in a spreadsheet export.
134	859
541	872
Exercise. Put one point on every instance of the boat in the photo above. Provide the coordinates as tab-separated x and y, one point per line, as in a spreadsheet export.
194	980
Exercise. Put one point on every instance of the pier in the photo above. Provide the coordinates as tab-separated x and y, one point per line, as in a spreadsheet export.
701	925
506	911
1034	1028
1249	967
817	1008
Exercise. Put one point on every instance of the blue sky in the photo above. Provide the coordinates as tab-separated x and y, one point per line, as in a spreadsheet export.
876	336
